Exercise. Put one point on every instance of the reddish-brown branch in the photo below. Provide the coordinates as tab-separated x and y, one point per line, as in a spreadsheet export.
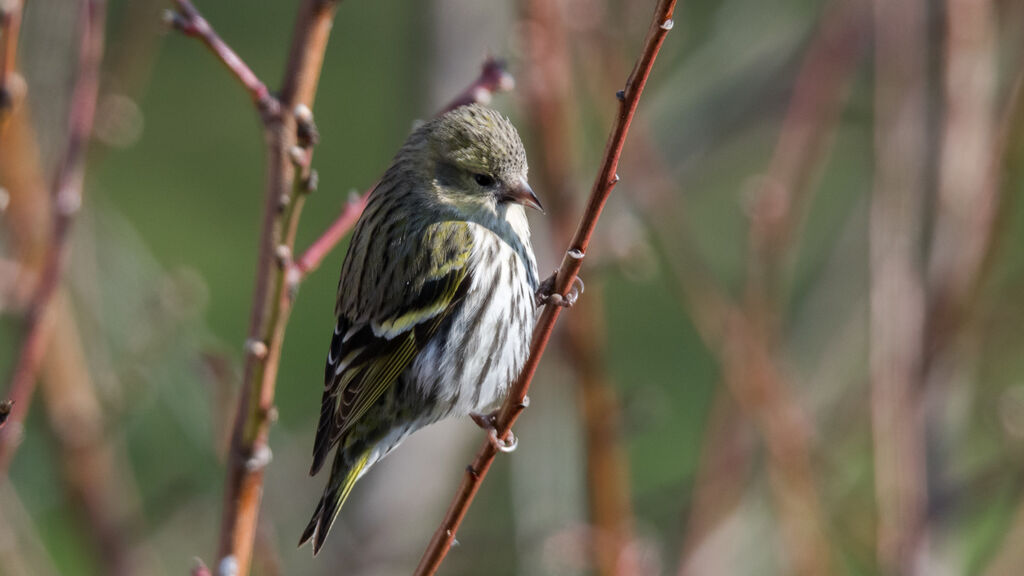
493	78
335	233
569	269
67	197
250	452
190	22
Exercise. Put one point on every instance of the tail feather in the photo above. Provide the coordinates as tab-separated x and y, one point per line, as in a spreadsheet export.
343	477
322	445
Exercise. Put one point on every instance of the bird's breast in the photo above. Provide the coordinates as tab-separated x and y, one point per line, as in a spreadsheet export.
476	357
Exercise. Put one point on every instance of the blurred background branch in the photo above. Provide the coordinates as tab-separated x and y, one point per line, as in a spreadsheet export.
66	199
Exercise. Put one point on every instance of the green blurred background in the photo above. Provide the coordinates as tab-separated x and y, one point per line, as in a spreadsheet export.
162	271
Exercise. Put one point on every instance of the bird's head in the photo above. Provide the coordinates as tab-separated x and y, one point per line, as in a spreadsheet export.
477	160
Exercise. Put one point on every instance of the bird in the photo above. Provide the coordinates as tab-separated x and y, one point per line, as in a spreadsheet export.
436	299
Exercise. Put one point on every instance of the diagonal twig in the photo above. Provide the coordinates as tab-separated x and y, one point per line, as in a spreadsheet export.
190	22
569	269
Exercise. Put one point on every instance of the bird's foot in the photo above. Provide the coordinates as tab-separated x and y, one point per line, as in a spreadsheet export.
489	423
546	292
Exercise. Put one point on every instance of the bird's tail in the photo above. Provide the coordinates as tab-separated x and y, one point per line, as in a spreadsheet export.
344	474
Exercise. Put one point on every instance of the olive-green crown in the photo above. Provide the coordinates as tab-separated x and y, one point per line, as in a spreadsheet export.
478	137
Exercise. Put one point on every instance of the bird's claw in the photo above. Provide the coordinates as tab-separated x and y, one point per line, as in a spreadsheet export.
503	445
489	423
546	292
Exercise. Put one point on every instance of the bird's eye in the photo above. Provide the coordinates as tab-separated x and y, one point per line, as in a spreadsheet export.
484	180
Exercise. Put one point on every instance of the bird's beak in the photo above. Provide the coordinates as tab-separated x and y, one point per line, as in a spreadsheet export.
521	193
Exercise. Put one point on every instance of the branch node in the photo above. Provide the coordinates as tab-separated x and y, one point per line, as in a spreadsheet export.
305	130
311	182
69	201
297	154
283	255
292	279
228	566
575	254
259	460
271	414
525	402
256	348
621	95
283	202
667	25
472	471
177	21
615	178
268	106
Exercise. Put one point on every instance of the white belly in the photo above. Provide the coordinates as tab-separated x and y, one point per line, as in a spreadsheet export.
475	362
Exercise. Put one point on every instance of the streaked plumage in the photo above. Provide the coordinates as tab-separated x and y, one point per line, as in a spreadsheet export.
436	298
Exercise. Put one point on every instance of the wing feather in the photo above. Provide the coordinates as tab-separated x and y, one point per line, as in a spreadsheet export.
372	346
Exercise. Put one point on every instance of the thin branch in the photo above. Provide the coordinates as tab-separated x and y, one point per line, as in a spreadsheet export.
67	198
289	151
289	139
970	172
335	233
896	281
493	78
190	22
568	271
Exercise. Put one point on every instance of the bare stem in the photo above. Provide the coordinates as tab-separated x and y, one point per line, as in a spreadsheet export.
569	269
67	198
190	22
288	152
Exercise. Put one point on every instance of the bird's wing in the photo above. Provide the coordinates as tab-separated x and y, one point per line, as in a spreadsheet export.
377	338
